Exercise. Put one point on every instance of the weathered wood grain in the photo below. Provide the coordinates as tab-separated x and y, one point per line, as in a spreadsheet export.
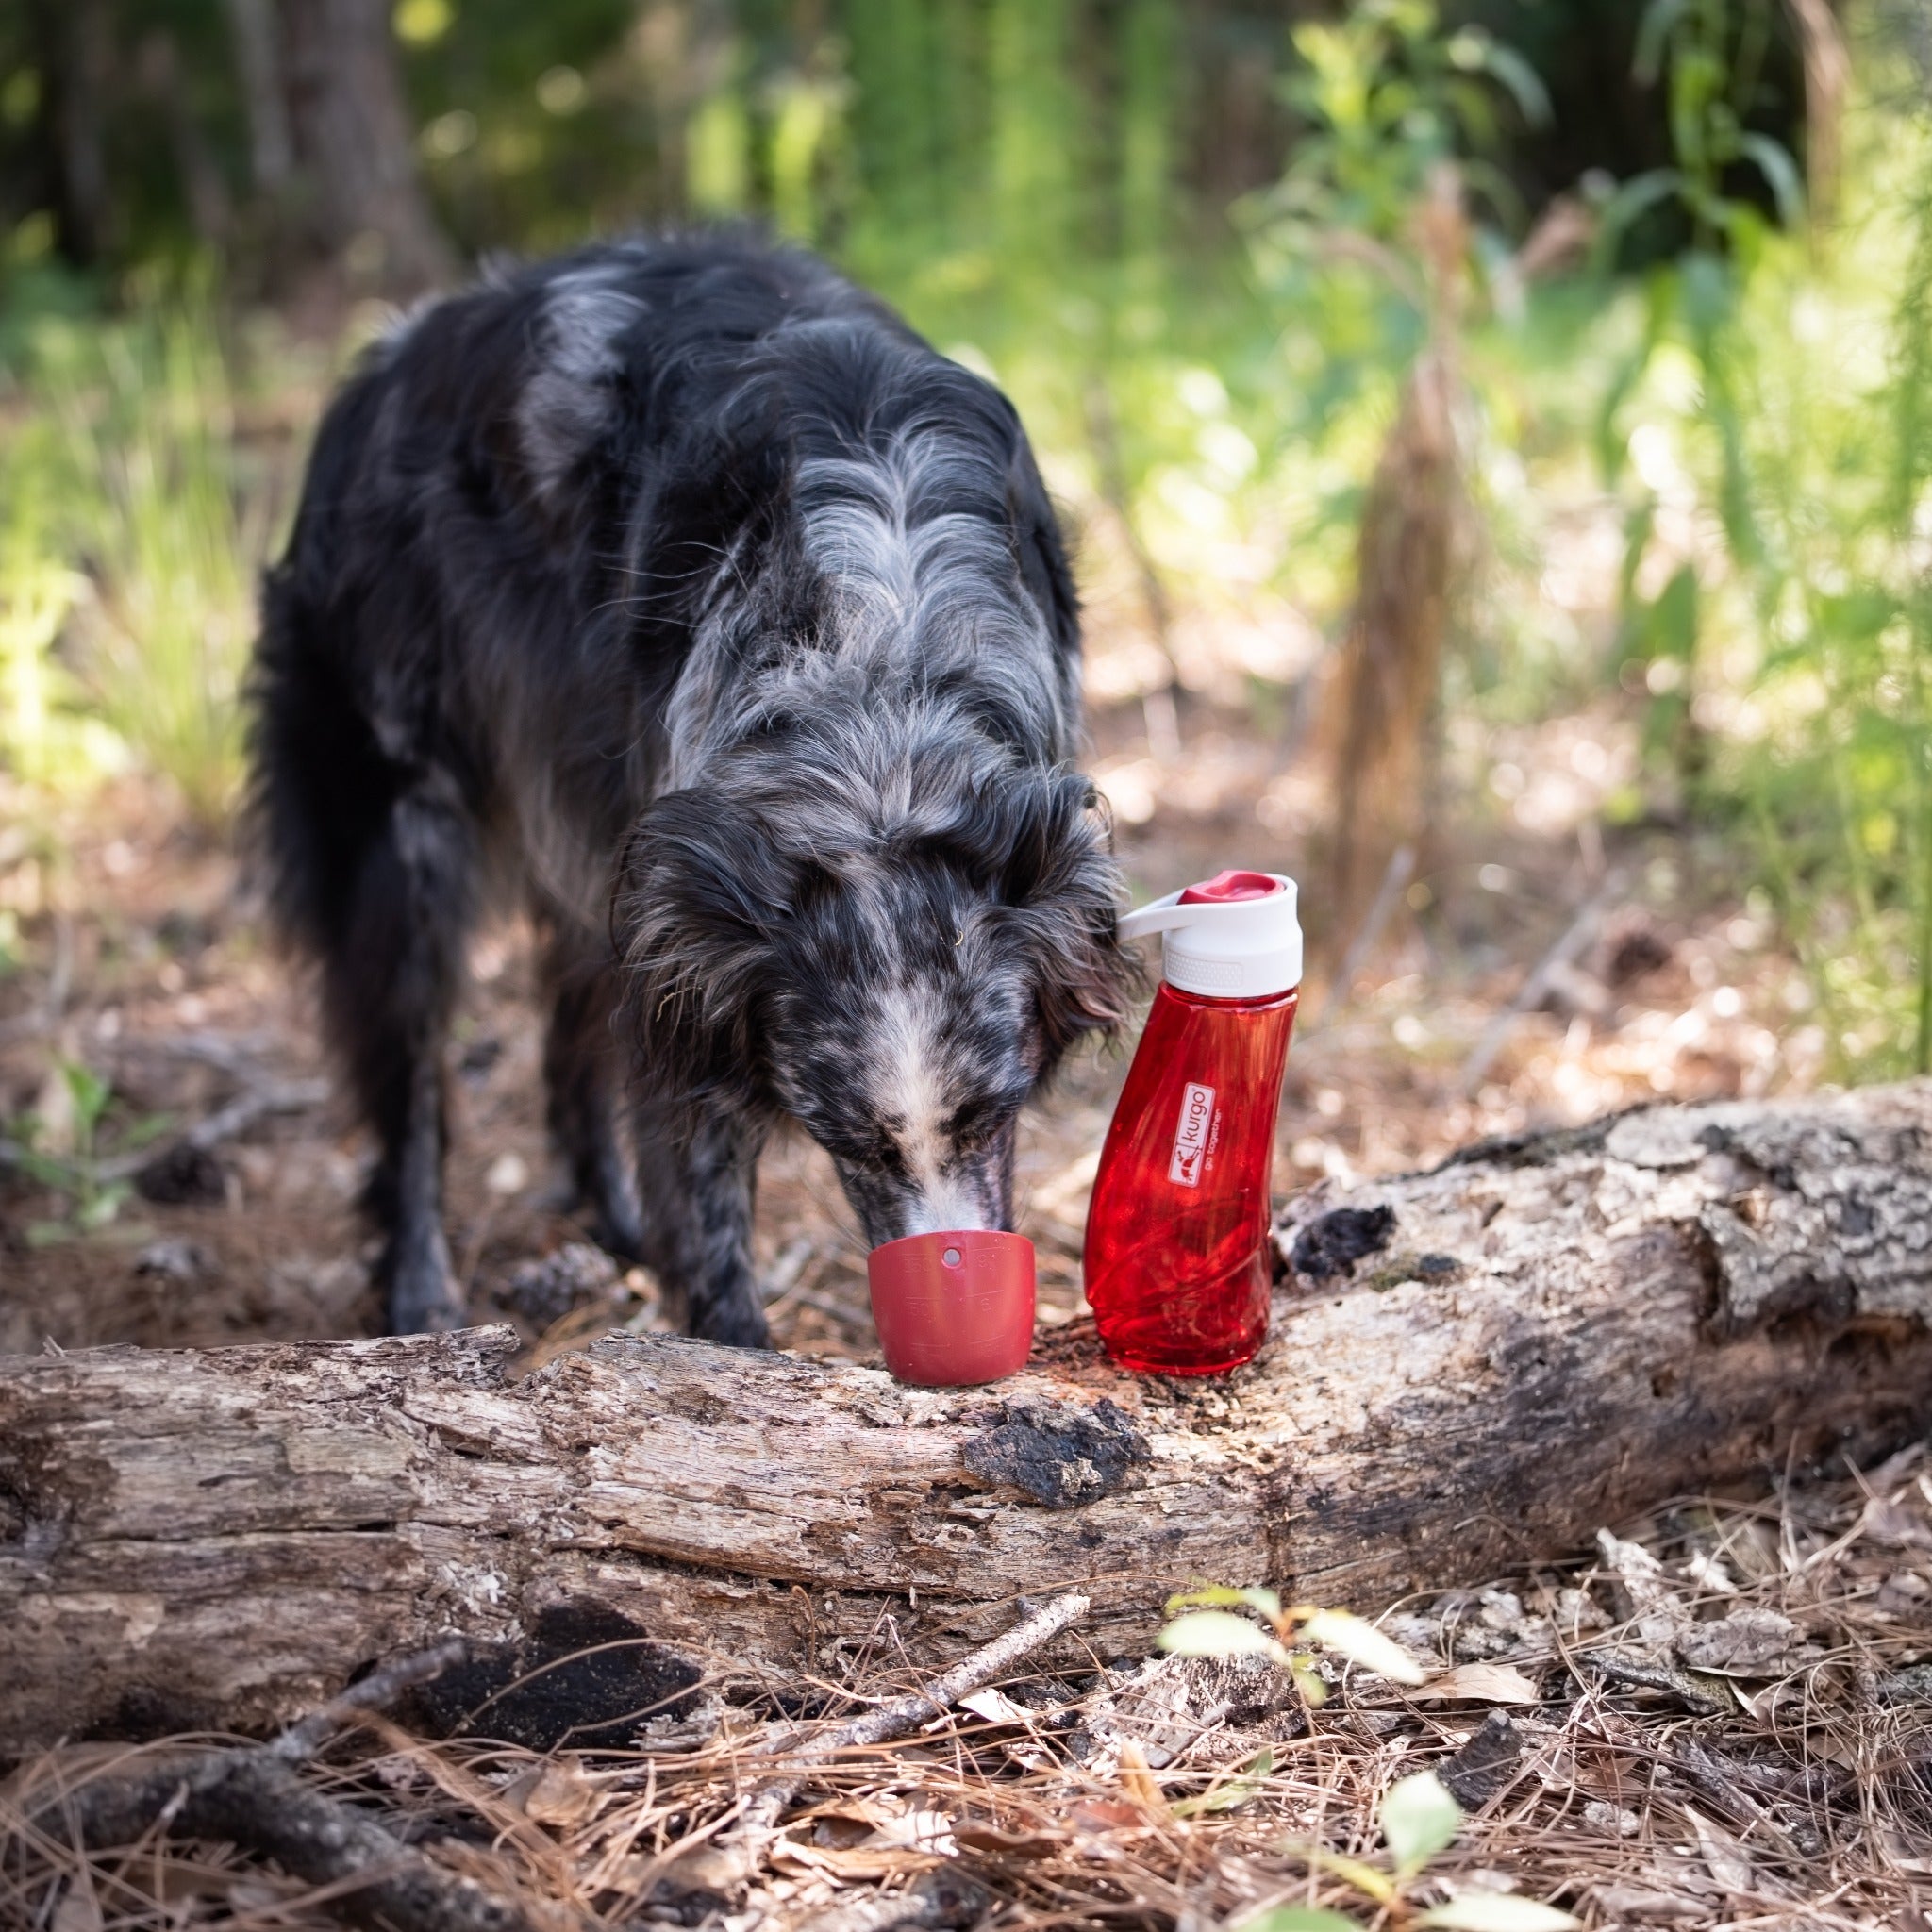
1550	1334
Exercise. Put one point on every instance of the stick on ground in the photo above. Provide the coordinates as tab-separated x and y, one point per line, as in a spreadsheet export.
256	1800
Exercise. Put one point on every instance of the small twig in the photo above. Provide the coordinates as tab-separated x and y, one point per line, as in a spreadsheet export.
205	1136
1575	935
376	1692
738	1855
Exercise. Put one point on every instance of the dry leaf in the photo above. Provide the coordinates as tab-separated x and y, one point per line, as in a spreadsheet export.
1136	1778
1041	1844
1749	1643
856	1862
1107	1814
1482	1684
996	1708
556	1792
1893	1521
1728	1861
78	1911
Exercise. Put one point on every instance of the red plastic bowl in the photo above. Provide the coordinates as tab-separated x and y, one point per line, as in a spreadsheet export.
953	1307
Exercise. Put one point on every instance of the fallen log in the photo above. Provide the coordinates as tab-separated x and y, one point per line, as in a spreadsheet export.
1470	1369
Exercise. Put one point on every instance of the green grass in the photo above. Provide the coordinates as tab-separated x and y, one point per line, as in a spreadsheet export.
131	541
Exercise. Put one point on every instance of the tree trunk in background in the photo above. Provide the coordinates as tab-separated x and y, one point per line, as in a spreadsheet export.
258	60
1383	696
77	49
1470	1370
1827	81
356	157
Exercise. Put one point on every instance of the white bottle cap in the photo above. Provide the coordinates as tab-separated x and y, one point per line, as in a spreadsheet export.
1234	937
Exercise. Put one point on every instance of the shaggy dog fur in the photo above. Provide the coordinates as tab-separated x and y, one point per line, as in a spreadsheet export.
678	588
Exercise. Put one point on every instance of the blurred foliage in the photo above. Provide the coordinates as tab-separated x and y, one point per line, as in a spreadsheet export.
130	545
1186	224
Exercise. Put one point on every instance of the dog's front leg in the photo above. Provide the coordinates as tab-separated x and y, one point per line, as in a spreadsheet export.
698	1187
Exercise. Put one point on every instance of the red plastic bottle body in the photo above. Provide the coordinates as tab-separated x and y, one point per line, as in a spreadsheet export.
1175	1258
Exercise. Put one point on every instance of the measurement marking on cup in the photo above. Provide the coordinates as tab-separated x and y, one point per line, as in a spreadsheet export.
1191	1135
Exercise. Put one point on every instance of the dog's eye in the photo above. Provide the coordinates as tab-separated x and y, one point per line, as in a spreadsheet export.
973	1125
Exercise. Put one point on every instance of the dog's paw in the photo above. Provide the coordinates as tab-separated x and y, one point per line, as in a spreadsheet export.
420	1292
736	1328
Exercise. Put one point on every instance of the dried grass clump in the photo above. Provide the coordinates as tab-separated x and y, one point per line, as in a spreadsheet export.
1725	1719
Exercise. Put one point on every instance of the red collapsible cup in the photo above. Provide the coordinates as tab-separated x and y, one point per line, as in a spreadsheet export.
953	1307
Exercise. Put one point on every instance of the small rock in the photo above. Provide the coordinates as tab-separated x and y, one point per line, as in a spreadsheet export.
1485	1762
509	1173
1912	1685
1577	1611
182	1176
1619	1818
174	1260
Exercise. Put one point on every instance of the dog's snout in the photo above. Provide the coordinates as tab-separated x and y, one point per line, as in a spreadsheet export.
951	1206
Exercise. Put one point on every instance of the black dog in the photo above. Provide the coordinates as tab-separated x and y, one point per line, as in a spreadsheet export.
679	587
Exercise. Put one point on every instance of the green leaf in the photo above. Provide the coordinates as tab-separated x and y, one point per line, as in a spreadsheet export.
90	1091
1496	1912
1776	164
1300	1918
1365	1878
1635	197
1660	17
1238	1791
1358	1641
1216	1594
1509	69
1217	1633
98	1211
1419	1818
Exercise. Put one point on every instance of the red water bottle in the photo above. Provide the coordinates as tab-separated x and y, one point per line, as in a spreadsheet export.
1176	1255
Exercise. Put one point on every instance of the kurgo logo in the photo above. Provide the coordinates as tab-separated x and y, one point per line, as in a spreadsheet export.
1191	1136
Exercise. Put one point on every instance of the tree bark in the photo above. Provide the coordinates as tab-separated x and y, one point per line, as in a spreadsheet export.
1469	1369
352	138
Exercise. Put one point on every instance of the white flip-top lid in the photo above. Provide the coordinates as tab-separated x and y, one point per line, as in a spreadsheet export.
1233	936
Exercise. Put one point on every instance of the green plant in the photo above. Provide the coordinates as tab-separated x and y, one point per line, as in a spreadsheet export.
1418	1819
1768	432
48	736
1710	56
1419	1815
1206	1622
75	1173
145	559
1387	97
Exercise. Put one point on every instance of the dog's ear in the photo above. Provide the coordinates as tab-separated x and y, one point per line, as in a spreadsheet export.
1059	892
697	889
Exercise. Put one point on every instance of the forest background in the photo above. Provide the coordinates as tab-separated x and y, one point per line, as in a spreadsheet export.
1496	434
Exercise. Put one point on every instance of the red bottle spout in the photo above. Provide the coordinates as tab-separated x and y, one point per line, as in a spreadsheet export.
1229	887
954	1307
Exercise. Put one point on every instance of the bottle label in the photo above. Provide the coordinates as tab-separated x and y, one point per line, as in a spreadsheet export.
1191	1136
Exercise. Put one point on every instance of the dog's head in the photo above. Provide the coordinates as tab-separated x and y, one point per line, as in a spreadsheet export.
894	957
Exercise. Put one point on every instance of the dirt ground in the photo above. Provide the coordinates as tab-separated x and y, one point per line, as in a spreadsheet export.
142	957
